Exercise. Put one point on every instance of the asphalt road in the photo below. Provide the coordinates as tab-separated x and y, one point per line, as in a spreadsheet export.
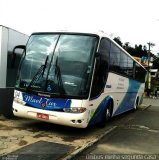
135	137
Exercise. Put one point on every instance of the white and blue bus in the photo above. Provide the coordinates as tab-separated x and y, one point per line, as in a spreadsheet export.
76	79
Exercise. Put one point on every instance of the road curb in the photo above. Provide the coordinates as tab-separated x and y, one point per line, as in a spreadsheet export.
146	107
81	149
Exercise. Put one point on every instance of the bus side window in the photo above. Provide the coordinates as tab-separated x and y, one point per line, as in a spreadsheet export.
115	59
130	69
123	64
101	68
140	73
134	69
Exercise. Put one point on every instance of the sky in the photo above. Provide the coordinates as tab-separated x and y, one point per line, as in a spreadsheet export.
134	21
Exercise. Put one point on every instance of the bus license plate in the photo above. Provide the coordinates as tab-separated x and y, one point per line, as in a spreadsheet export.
42	116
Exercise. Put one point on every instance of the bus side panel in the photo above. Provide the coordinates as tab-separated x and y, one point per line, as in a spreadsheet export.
127	103
117	87
121	90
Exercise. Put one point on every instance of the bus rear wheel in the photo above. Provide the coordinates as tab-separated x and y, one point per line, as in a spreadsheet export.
107	114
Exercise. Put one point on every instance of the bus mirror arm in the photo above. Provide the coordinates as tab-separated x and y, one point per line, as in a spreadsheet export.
14	53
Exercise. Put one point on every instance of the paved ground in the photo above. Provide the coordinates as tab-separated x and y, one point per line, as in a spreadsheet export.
17	133
134	127
136	138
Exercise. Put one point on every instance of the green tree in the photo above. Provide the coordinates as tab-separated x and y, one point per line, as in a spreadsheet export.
137	51
118	40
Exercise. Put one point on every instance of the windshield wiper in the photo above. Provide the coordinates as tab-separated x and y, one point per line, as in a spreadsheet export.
39	73
59	78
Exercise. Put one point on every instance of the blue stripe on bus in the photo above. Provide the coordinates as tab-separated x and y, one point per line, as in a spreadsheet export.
130	96
46	103
99	113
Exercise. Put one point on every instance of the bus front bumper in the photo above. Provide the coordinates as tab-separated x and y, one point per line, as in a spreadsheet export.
77	120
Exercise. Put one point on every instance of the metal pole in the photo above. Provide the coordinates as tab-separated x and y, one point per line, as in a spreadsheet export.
148	69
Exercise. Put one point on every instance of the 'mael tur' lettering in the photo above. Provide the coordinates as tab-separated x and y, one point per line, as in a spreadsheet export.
39	101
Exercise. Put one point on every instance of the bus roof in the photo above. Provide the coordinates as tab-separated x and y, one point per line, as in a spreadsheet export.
98	33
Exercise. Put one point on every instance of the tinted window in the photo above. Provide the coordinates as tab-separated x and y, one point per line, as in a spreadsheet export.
115	58
130	67
140	73
59	64
123	63
101	69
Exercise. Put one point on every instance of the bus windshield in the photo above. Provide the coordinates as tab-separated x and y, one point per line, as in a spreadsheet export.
59	64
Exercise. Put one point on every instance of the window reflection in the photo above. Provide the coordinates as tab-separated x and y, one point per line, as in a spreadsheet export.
74	54
69	60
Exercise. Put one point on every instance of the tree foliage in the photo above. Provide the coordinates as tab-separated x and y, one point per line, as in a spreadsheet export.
118	40
137	51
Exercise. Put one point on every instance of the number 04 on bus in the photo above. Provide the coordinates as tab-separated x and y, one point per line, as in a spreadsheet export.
76	79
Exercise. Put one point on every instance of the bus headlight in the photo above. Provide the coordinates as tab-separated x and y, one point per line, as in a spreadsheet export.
16	94
19	101
18	97
75	110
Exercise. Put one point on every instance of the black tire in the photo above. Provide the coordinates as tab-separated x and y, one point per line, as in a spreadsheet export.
136	104
8	113
107	114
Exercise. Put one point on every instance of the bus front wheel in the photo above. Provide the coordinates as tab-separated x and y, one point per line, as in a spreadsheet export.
136	104
107	114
